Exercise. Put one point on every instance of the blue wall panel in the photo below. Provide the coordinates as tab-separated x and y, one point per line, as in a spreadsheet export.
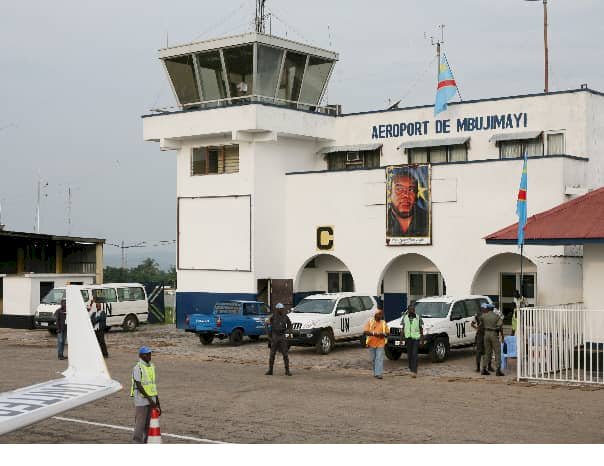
196	302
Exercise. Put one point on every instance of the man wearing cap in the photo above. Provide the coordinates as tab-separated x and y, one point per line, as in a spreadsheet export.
376	333
492	324
277	326
144	391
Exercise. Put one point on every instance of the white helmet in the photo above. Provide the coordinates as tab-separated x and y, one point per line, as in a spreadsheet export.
279	306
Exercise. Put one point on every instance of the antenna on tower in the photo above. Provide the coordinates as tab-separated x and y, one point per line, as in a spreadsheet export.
435	41
260	16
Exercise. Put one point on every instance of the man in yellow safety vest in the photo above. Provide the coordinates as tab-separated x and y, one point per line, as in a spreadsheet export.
144	391
413	332
376	334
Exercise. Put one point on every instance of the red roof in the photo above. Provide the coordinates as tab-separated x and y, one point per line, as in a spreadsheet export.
578	221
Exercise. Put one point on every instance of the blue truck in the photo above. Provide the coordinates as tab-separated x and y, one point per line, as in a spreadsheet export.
229	319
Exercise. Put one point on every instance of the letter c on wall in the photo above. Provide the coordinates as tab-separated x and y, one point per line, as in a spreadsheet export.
325	238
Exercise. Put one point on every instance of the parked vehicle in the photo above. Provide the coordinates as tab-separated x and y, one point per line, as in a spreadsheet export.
321	320
125	304
447	324
229	319
45	313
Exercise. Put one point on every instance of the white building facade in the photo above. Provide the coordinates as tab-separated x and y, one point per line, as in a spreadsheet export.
279	198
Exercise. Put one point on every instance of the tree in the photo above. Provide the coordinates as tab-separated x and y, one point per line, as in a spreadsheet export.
147	271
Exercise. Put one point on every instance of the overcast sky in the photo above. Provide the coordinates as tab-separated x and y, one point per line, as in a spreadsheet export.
75	77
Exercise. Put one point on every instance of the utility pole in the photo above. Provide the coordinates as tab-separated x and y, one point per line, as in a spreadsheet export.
545	45
123	246
40	188
438	42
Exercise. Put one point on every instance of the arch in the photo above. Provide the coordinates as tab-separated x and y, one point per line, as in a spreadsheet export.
499	275
405	271
312	277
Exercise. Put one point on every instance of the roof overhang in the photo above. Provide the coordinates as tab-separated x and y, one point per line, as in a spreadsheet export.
353	148
434	143
515	136
548	241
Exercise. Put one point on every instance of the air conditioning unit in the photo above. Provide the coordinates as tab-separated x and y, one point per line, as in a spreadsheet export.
353	157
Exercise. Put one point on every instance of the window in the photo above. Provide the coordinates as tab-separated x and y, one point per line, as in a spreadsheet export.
422	284
182	75
315	78
353	159
211	76
344	304
130	294
458	311
226	308
339	282
472	307
516	148
215	160
269	64
440	154
356	305
104	295
555	144
239	63
291	76
367	302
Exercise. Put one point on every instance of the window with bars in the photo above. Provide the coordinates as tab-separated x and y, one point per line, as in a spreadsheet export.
353	159
439	154
215	160
516	148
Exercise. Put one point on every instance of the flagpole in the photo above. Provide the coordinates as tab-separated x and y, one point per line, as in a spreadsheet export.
521	261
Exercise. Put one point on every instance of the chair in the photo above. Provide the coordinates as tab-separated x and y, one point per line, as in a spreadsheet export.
509	343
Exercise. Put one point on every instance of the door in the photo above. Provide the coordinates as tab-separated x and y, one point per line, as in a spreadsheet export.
511	282
341	325
472	309
281	291
458	328
357	315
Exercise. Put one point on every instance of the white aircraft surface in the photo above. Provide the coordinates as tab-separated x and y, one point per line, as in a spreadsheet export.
86	379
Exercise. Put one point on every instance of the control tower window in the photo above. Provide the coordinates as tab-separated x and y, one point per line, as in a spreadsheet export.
269	64
314	80
291	76
182	74
239	62
210	73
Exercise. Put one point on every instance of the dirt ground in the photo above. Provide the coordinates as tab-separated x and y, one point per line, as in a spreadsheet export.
220	393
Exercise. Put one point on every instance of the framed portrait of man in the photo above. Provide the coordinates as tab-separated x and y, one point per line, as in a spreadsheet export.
408	205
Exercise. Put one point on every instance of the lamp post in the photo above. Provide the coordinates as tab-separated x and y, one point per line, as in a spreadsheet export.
546	47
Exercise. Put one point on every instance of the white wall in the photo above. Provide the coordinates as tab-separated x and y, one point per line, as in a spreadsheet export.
396	276
593	276
315	279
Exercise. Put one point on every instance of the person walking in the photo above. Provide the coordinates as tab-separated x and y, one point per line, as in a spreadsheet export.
277	326
144	391
98	318
493	325
376	334
413	331
61	323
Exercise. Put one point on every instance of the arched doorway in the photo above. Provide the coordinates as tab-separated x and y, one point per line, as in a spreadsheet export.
406	279
499	276
323	273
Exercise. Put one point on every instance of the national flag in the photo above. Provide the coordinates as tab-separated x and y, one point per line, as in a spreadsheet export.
521	202
447	87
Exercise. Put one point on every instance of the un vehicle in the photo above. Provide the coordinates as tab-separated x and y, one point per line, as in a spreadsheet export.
229	319
447	324
321	320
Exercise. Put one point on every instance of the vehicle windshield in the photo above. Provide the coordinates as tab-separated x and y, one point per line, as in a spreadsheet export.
315	306
432	309
54	297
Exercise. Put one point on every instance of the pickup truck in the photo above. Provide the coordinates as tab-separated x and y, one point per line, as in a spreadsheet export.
229	319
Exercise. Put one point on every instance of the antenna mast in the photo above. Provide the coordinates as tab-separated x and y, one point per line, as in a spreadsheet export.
260	16
438	42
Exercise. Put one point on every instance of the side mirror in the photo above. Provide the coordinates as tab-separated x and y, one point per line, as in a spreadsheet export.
340	312
455	317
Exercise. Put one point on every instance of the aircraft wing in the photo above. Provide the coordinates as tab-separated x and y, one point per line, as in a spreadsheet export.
86	379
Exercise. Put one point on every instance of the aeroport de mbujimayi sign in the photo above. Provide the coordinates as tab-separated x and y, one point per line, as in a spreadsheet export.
408	206
459	125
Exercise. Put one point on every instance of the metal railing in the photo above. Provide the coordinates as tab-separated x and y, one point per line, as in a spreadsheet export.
332	110
564	344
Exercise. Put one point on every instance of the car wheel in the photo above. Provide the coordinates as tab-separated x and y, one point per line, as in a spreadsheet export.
254	337
206	338
130	323
440	349
392	353
325	342
236	337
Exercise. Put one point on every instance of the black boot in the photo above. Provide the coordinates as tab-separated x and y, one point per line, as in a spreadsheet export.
499	373
269	371
287	372
485	372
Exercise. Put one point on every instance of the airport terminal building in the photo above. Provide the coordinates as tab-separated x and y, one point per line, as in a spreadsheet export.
279	197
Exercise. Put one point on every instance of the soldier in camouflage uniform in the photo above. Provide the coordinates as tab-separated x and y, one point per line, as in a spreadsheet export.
277	326
492	324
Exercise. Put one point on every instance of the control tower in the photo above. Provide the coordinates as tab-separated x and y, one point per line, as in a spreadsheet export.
248	68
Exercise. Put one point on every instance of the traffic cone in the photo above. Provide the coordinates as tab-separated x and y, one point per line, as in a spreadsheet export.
154	435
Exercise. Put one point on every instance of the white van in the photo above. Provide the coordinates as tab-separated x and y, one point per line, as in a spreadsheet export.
125	304
321	320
